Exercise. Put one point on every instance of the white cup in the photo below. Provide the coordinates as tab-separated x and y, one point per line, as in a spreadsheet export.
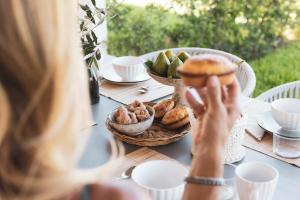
162	179
128	67
256	181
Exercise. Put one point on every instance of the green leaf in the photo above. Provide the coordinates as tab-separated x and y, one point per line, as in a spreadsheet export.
89	61
94	37
90	16
95	63
88	46
81	26
93	2
149	64
89	39
98	55
84	7
88	51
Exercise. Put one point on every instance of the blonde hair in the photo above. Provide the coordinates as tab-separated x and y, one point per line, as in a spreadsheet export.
43	99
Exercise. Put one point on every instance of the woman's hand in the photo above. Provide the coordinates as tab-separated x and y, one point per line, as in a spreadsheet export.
216	113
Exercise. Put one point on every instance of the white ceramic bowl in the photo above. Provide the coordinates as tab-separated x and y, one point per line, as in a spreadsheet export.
128	67
286	112
132	129
164	180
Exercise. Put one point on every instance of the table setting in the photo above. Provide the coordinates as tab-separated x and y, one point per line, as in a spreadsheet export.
147	118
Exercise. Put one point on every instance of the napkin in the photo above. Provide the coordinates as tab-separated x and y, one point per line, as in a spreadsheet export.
253	128
253	108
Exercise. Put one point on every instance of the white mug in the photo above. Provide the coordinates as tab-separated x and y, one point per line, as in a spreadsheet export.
162	179
256	181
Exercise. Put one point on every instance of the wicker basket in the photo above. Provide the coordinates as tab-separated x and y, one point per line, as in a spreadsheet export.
156	135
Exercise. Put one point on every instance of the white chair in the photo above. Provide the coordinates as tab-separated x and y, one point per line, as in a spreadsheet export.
245	73
288	90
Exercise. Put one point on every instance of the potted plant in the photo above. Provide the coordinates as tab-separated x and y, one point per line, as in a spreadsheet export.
92	18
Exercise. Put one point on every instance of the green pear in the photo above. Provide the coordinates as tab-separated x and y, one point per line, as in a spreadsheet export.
161	64
183	56
170	55
149	64
172	71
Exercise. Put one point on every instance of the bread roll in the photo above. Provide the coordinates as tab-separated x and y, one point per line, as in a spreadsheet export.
195	71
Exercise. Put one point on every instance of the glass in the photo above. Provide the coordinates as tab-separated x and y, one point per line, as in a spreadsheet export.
286	147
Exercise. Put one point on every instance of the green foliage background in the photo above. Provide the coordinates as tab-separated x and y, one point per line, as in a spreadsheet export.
278	67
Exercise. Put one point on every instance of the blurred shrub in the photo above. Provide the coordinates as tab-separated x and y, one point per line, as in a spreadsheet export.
278	67
249	29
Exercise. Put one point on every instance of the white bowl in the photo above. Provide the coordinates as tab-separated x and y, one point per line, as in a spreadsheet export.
164	180
286	112
132	129
128	67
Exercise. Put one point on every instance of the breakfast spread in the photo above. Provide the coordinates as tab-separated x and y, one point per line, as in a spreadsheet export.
134	113
167	62
197	69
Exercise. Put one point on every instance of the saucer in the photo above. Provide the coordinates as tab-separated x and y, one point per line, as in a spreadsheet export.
111	76
266	121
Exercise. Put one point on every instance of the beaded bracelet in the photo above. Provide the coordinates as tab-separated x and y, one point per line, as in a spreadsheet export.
205	180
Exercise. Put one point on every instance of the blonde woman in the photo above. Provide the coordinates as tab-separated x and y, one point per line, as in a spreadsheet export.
44	108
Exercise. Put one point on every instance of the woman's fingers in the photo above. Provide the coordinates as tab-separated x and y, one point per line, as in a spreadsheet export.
224	93
202	92
232	103
233	91
214	94
197	107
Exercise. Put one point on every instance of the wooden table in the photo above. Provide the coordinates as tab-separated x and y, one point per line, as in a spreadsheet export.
97	152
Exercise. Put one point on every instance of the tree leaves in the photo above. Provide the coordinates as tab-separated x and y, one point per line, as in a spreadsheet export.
89	39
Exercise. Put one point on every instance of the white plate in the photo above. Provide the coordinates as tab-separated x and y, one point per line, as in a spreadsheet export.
266	121
113	77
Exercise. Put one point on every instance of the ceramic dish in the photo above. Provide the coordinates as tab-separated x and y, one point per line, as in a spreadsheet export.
286	112
163	179
111	76
132	129
266	121
128	67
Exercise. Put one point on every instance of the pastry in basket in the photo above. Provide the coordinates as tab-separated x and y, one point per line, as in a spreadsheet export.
176	118
122	116
163	107
135	113
195	71
139	110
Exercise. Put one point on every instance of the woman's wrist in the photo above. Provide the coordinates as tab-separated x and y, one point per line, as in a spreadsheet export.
207	161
